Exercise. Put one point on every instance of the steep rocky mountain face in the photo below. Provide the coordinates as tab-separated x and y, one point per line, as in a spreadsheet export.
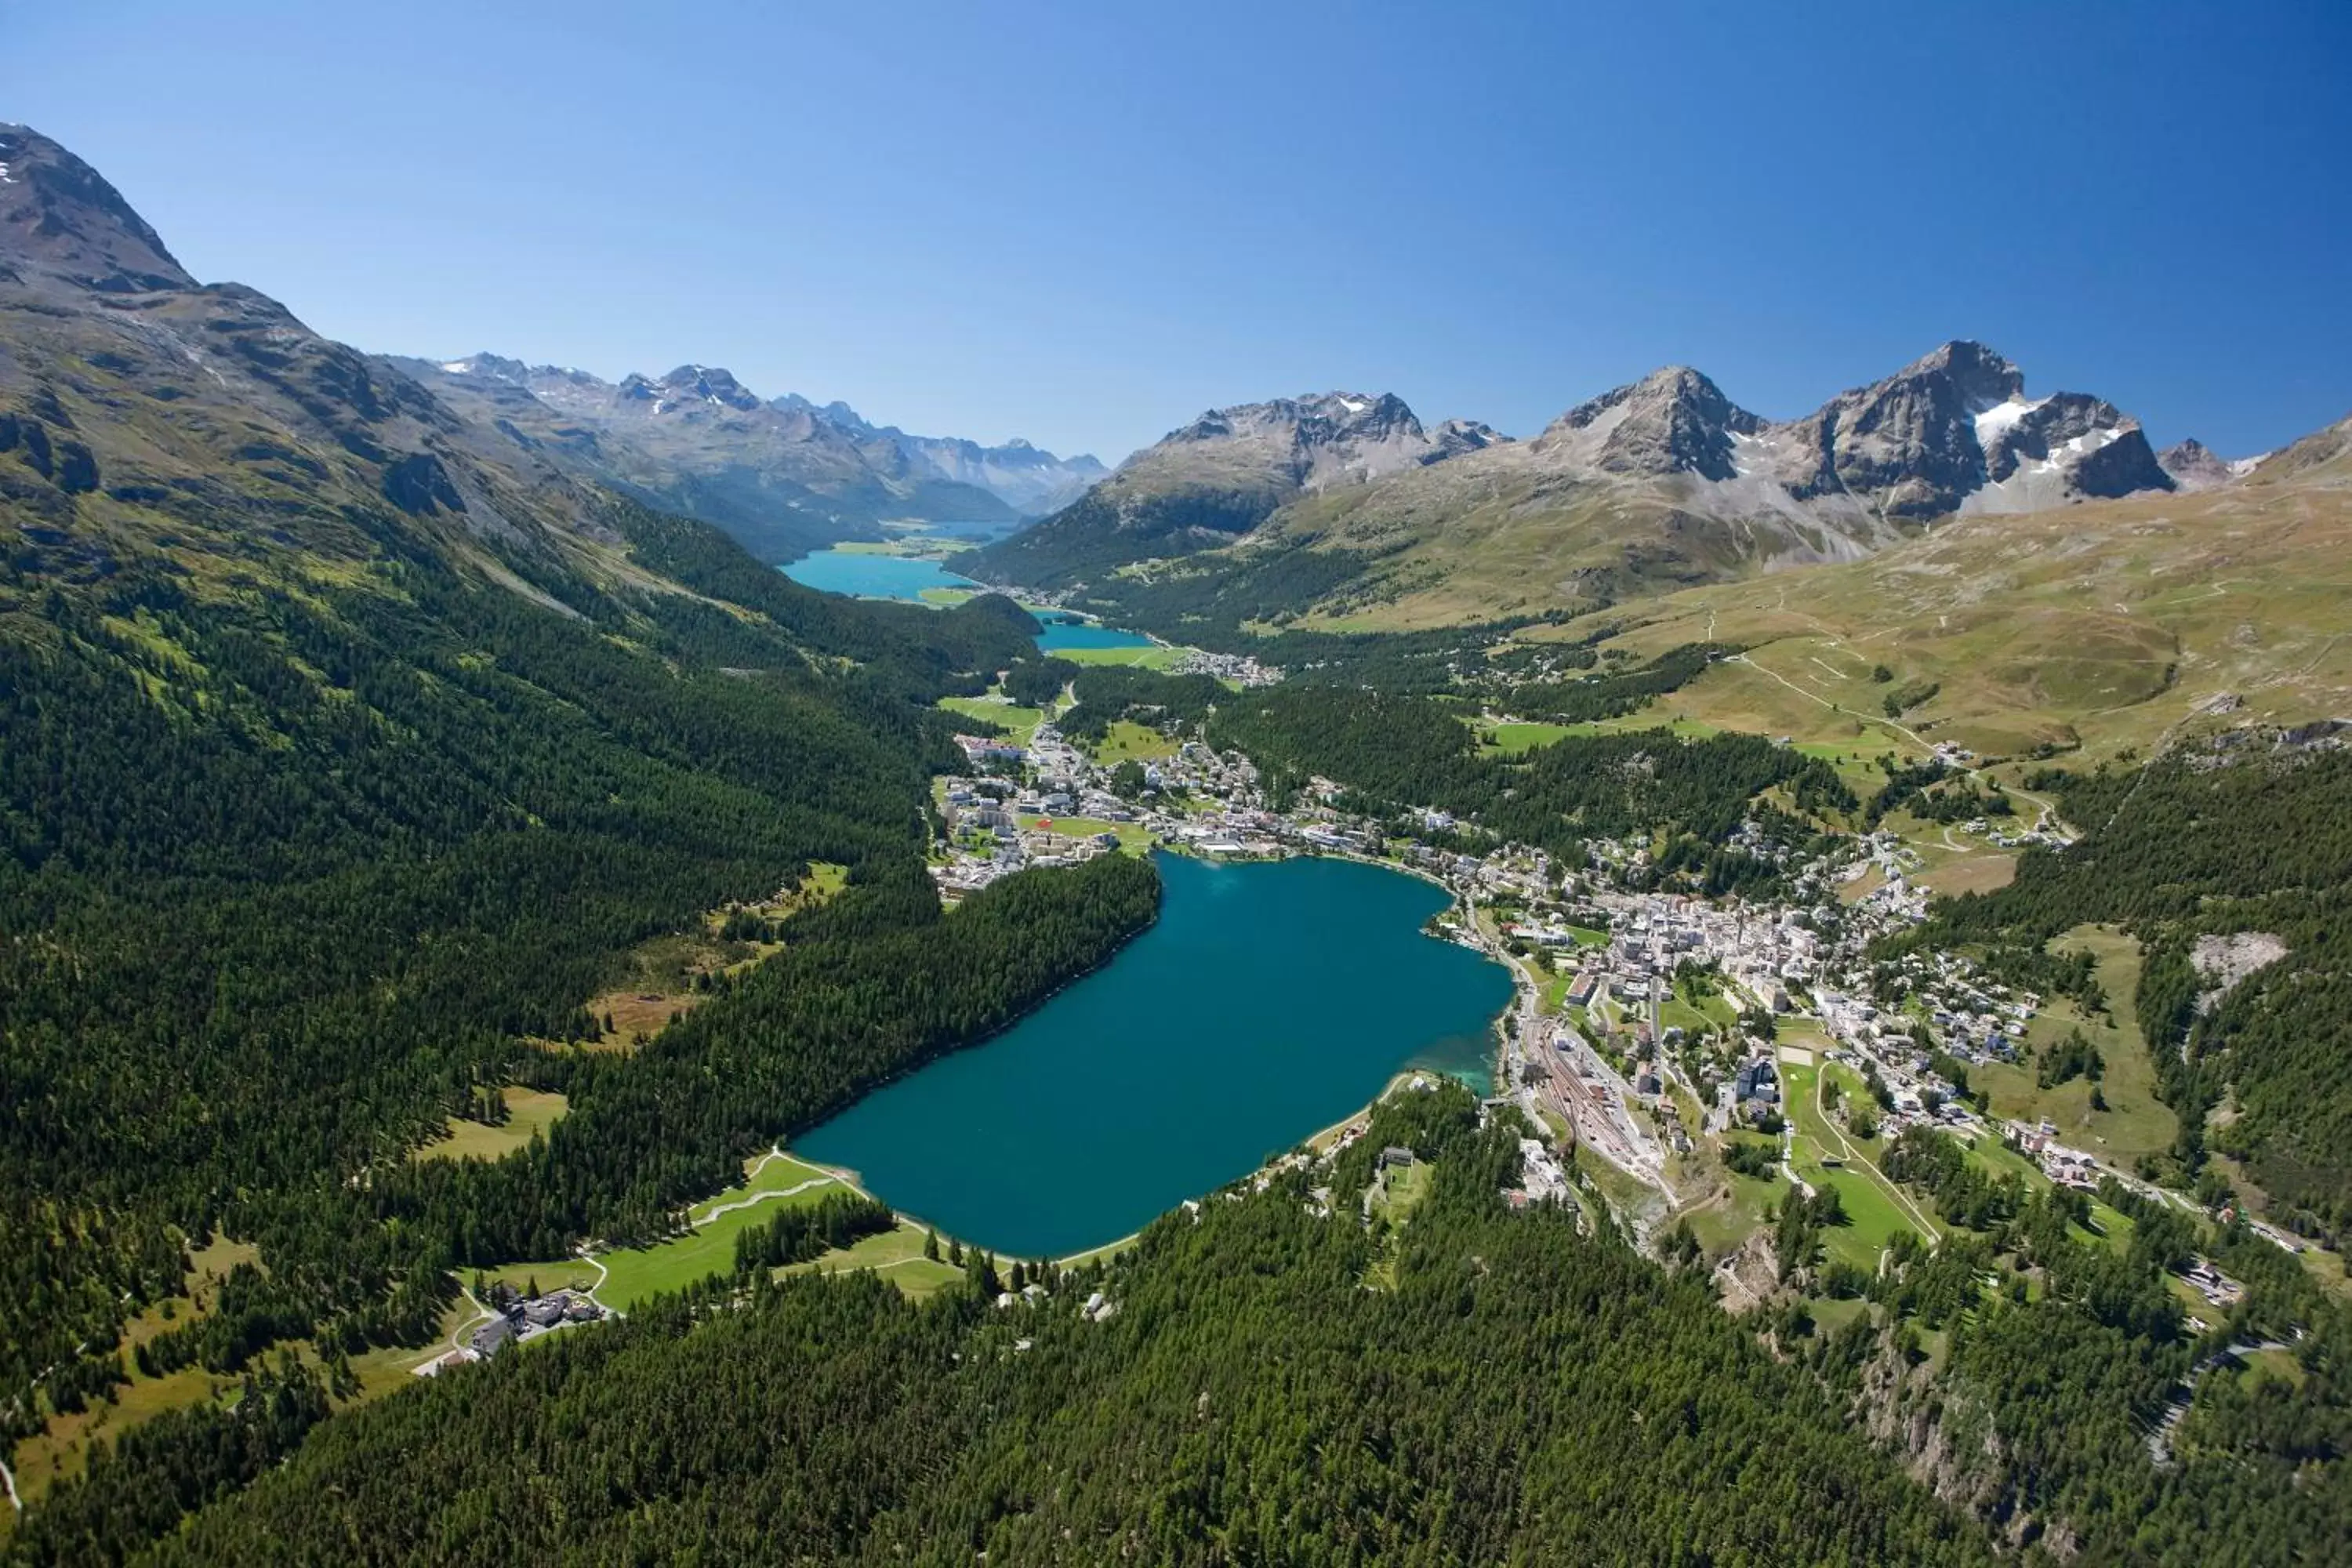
142	414
1672	421
1225	473
62	219
1458	438
1955	432
782	475
1655	485
2196	467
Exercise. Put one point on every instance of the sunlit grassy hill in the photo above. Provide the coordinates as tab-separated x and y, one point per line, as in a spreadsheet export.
2110	624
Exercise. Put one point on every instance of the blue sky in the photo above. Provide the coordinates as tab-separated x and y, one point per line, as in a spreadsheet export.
1084	223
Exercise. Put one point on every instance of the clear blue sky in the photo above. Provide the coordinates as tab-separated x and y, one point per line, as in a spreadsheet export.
1084	223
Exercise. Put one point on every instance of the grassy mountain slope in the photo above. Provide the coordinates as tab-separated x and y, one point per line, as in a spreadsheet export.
2113	624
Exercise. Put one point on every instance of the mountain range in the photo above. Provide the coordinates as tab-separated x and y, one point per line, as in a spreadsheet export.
782	475
1659	483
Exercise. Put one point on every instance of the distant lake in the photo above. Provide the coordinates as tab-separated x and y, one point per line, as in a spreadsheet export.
869	576
1270	1001
1066	631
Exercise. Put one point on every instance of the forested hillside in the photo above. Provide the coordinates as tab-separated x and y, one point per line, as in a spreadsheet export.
2197	846
342	758
1521	1390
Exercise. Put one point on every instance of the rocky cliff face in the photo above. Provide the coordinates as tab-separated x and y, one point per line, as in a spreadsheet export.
59	217
1672	421
1460	437
1955	432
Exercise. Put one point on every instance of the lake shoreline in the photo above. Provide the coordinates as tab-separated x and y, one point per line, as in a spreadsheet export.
1121	1101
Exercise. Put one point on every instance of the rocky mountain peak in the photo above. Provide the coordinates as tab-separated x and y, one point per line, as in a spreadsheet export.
488	367
1673	420
1973	371
1954	431
1459	438
708	385
60	216
2194	466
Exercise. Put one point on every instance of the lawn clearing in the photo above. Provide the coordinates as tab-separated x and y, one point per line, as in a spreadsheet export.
1020	722
637	1273
1129	740
895	1255
529	1112
2134	1122
1872	1203
1516	739
1736	1212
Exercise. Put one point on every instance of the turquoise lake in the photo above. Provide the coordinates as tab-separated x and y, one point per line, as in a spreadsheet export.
1063	632
1268	1002
872	576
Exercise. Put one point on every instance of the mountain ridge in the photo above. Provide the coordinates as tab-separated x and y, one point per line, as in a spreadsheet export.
1226	471
1663	481
783	474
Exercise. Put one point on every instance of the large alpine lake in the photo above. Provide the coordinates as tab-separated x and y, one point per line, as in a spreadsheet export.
1268	1002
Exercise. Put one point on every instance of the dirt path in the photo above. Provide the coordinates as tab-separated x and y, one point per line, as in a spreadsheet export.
8	1481
758	1198
1908	733
603	1273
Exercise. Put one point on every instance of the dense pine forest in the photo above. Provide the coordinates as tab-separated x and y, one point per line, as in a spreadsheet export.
1274	1386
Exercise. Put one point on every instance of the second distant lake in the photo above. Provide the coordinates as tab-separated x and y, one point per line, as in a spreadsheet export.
1268	1002
868	576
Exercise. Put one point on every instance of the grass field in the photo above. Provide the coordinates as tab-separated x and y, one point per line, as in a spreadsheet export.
1127	739
1951	862
639	1272
895	1255
529	1112
1519	739
1694	1014
1022	722
2134	1122
1735	1212
1871	1201
556	1274
1133	836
